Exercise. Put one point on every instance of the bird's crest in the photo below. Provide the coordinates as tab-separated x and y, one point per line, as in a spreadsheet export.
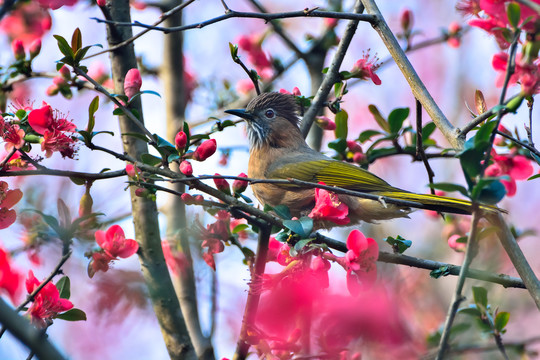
284	105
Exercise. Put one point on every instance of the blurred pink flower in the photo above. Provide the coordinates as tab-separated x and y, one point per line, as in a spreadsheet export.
516	167
328	207
361	262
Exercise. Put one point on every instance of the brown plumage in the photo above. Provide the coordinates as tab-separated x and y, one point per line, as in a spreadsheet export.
278	151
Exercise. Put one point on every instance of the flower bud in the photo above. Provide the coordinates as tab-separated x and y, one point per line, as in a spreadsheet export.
454	28
222	185
188	199
18	49
359	158
52	90
296	91
101	3
35	48
132	170
205	150
406	19
325	123
186	168
64	71
354	146
59	81
132	82
239	186
198	199
454	244
141	192
180	140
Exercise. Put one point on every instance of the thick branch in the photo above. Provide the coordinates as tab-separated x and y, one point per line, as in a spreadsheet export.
417	86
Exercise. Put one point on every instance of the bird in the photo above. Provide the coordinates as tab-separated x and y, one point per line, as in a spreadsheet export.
278	151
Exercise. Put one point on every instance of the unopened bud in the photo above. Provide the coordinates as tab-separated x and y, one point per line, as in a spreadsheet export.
359	158
101	3
186	168
18	49
296	91
325	123
222	184
52	90
239	186
64	71
199	199
35	48
205	150
141	192
132	170
85	205
180	140
188	199
354	146
406	19
132	82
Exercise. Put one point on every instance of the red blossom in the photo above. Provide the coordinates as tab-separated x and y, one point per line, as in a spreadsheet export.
214	235
132	170
45	119
100	262
115	244
47	303
176	260
406	20
222	184
9	277
56	4
245	86
528	75
516	167
13	135
365	68
180	140
205	150
253	46
328	207
132	82
55	141
361	261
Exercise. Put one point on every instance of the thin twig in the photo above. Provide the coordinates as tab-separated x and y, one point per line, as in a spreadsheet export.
6	159
251	15
520	143
332	76
420	148
458	297
65	173
162	18
530	104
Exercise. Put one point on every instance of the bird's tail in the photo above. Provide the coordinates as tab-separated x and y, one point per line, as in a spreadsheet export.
438	203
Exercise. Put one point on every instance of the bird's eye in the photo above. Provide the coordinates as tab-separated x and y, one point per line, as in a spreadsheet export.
269	113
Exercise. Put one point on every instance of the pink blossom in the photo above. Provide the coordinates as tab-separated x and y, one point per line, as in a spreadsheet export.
361	261
528	75
186	168
454	244
56	4
132	83
176	260
115	244
516	167
26	22
245	86
44	119
132	170
47	303
222	184
13	135
365	69
328	207
8	199
253	46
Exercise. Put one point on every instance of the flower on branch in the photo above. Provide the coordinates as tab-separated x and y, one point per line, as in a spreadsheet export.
515	167
205	150
26	22
56	4
12	134
360	262
47	303
365	68
239	186
132	82
9	277
176	260
528	75
214	235
8	199
328	207
114	245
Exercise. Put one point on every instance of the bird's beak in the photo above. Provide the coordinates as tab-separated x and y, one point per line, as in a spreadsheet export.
241	113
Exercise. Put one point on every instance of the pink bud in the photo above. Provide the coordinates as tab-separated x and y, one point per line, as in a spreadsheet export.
141	192
354	146
35	48
325	123
406	19
18	49
198	199
205	150
454	244
180	140
239	186
52	90
454	27
186	168
359	158
330	23
59	81
222	185
64	71
132	170
132	82
188	199
296	91
101	2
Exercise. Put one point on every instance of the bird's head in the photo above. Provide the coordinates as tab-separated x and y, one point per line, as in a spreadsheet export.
272	120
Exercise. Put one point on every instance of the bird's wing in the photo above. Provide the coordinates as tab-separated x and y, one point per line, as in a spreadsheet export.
333	173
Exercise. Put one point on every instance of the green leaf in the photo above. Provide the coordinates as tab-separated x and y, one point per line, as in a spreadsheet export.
489	191
337	87
20	114
437	273
513	12
339	145
72	315
118	112
302	226
77	180
234	50
150	159
173	157
301	244
398	244
470	160
450	187
379	118
64	47
534	177
240	227
63	285
367	134
396	119
427	130
162	143
480	297
472	310
341	125
94	105
200	137
283	212
501	320
484	133
535	157
49	220
307	224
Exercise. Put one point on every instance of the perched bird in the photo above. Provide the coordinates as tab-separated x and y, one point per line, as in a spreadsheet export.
278	151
